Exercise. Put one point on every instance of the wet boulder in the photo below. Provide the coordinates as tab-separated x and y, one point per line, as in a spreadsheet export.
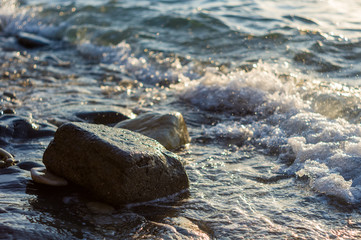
169	129
117	165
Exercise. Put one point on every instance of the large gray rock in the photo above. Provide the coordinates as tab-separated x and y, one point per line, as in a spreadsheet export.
117	165
169	129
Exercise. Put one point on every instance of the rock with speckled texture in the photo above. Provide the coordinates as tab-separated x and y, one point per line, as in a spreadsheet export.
117	165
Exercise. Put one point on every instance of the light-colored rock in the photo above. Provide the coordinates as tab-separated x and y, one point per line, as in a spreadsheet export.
168	129
117	165
43	176
6	159
5	154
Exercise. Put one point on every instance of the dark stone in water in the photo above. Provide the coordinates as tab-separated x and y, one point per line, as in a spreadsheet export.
8	111
92	113
14	126
102	117
9	95
29	40
27	165
117	165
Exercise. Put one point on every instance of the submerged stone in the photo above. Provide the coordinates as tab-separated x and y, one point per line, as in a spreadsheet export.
13	126
28	165
117	165
169	129
103	117
29	40
8	111
10	95
91	113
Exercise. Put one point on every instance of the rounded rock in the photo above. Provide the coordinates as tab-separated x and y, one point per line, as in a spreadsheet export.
5	154
9	111
10	161
43	176
2	164
168	129
118	166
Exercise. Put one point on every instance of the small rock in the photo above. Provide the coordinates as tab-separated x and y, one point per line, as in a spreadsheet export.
9	95
93	113
117	165
2	164
29	40
6	159
10	161
43	176
168	129
5	154
28	165
9	111
14	126
102	117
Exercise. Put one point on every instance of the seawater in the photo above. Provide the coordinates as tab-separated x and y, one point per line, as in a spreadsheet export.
270	91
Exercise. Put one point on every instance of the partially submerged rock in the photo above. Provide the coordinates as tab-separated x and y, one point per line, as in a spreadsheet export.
6	159
168	129
43	176
98	114
102	117
13	126
117	165
29	40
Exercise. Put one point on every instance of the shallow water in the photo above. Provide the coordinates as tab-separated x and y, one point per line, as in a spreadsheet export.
269	90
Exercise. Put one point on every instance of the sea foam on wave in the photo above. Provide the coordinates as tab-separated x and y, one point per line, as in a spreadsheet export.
122	57
275	115
14	19
255	92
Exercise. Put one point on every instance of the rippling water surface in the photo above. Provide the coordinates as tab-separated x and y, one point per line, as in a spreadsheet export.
270	91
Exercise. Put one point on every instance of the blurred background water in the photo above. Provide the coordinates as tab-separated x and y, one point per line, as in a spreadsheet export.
270	91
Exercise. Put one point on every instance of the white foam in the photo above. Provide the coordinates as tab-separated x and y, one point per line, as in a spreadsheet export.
325	181
230	130
258	91
124	60
277	115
